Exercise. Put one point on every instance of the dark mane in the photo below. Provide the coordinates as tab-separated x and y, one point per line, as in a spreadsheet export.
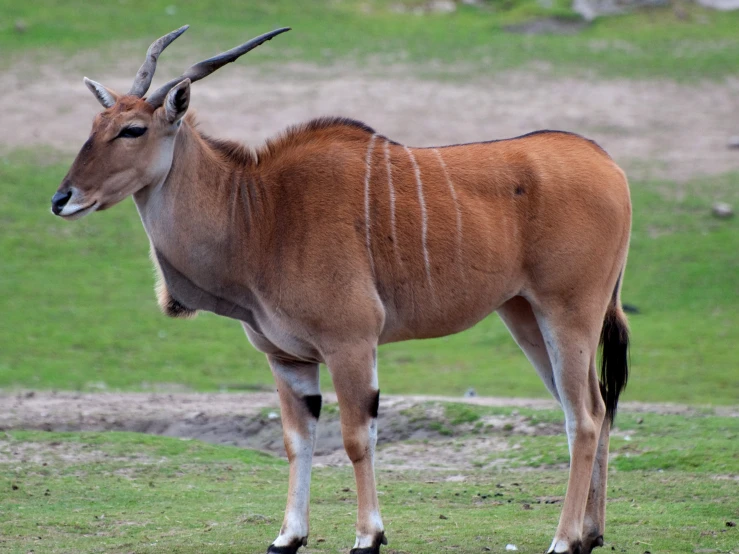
331	121
296	134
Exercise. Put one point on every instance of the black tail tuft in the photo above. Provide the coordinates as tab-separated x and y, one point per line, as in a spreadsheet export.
614	366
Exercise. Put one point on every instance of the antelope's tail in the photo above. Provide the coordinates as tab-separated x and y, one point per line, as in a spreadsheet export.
614	342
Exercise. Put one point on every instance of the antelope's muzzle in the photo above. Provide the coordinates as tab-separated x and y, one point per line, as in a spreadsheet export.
59	200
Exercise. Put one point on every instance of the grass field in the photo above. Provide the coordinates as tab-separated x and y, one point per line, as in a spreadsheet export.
682	41
670	490
79	310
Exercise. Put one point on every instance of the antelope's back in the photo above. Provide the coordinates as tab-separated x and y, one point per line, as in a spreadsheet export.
446	235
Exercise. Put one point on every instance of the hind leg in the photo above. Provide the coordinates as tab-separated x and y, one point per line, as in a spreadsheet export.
594	525
521	322
571	337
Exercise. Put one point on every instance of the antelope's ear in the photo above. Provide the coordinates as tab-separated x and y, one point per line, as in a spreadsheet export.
177	101
105	96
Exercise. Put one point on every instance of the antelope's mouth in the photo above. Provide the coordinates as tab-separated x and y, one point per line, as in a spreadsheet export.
76	212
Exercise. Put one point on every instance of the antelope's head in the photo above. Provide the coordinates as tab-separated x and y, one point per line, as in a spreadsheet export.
131	144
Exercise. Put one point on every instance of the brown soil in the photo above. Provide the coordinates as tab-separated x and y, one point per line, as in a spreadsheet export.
413	431
652	128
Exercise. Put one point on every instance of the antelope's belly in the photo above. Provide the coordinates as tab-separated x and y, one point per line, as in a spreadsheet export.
422	313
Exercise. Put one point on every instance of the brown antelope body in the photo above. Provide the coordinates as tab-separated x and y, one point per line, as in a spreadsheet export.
332	239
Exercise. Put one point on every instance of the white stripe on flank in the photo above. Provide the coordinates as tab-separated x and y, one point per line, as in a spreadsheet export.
367	175
424	217
392	199
454	198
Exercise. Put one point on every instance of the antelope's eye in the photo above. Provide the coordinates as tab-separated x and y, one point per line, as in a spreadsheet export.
131	132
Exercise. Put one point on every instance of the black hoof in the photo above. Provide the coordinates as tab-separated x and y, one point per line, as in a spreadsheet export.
291	548
374	549
589	544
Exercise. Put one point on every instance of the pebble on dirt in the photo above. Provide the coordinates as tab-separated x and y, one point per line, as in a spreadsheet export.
733	142
722	210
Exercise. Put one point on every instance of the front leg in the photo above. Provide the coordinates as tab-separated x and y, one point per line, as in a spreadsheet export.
300	402
354	374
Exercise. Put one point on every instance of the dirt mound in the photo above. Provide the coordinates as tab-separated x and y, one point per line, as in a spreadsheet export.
414	431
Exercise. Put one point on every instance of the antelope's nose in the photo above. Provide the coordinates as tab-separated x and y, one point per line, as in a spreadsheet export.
59	200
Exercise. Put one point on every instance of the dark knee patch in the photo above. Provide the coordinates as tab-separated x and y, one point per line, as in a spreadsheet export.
375	405
314	403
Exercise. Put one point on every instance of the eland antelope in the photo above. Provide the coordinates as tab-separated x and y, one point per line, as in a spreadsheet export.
332	239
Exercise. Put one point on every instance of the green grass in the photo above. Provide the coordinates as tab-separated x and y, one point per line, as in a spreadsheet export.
121	492
652	43
79	310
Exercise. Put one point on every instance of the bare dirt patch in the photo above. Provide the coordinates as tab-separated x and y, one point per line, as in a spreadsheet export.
652	128
54	453
414	431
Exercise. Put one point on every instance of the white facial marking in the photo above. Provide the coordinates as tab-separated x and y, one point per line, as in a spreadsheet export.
391	190
367	175
424	217
453	192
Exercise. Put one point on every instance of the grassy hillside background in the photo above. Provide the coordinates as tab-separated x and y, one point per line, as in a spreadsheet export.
77	305
681	41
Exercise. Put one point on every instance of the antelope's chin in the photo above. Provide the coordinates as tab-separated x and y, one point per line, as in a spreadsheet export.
71	213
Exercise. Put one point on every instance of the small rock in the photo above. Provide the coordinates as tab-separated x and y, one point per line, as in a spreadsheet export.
470	393
640	421
733	142
722	210
730	524
511	547
20	26
720	5
442	516
273	415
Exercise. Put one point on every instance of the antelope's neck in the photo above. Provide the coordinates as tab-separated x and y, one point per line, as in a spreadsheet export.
196	223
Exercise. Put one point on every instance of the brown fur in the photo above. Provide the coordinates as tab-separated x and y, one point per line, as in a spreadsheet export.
535	227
